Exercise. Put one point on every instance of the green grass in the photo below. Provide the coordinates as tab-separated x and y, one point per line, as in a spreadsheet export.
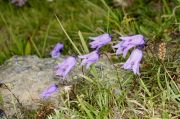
35	28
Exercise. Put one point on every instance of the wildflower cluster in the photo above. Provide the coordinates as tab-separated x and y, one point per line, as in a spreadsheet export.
97	42
133	62
136	41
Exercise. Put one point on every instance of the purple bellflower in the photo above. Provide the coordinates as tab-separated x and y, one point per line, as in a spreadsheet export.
19	2
133	61
49	91
100	41
128	43
65	67
90	58
56	51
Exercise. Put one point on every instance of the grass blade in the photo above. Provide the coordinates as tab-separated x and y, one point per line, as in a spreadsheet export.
77	50
83	42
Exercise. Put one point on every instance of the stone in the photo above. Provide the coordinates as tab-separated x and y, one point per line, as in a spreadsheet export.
22	80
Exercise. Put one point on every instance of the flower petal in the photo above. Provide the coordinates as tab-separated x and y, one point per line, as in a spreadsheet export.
90	58
125	51
133	61
64	68
56	50
100	41
49	91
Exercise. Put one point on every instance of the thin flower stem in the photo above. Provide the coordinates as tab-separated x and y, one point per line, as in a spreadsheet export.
115	69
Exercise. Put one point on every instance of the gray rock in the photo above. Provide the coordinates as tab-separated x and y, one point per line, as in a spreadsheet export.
23	78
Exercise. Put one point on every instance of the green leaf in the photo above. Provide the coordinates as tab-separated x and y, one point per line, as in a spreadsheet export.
28	48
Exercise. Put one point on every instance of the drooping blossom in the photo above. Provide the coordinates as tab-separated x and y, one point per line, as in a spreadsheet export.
65	67
56	50
49	91
100	41
90	58
133	61
19	2
127	43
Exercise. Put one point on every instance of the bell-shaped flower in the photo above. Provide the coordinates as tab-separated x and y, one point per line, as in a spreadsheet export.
56	50
49	91
90	58
100	41
65	67
128	43
133	61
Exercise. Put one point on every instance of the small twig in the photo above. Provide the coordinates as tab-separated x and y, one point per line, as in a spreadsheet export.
12	94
